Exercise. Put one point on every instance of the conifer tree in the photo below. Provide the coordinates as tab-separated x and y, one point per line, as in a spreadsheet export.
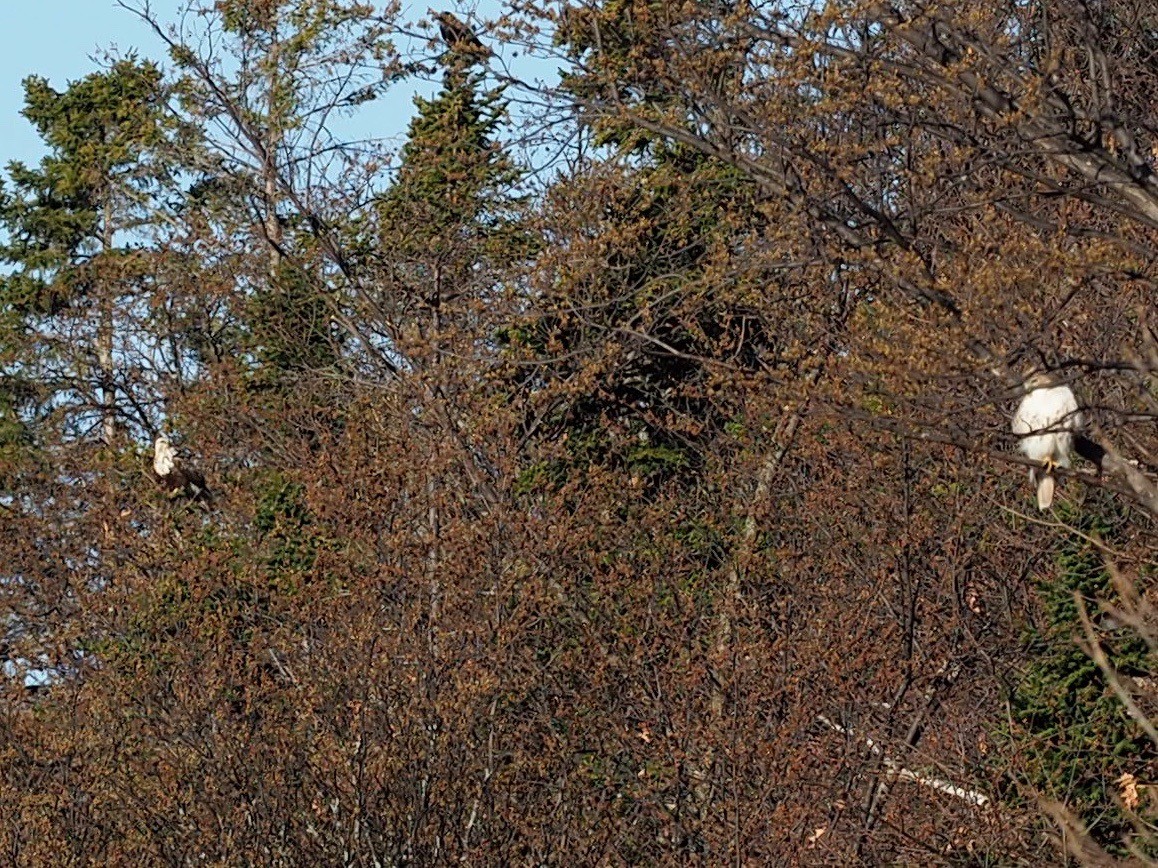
452	221
76	333
1072	732
76	229
653	285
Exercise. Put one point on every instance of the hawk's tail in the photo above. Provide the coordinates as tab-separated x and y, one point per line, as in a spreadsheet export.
1045	487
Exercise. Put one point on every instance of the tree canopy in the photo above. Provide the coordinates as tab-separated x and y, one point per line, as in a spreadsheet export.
615	470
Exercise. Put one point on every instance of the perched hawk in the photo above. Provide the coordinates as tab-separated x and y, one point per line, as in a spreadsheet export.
176	475
457	36
1045	420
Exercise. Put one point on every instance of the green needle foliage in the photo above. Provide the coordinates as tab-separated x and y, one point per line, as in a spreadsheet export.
62	217
1073	731
75	233
452	222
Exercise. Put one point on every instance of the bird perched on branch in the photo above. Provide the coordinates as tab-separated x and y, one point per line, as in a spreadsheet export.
458	36
176	474
1046	420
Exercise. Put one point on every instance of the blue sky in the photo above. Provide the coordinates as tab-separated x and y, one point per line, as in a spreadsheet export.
59	40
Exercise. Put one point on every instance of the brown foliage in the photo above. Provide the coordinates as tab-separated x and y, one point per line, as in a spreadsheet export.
695	537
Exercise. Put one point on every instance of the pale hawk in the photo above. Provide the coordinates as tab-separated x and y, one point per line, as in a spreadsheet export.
1046	420
176	474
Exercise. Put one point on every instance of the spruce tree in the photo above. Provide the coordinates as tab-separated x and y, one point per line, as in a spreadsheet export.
75	229
1073	733
452	221
652	290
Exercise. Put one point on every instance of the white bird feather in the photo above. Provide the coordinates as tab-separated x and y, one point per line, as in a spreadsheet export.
1045	420
177	474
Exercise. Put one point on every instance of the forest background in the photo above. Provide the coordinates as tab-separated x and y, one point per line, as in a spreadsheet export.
617	472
